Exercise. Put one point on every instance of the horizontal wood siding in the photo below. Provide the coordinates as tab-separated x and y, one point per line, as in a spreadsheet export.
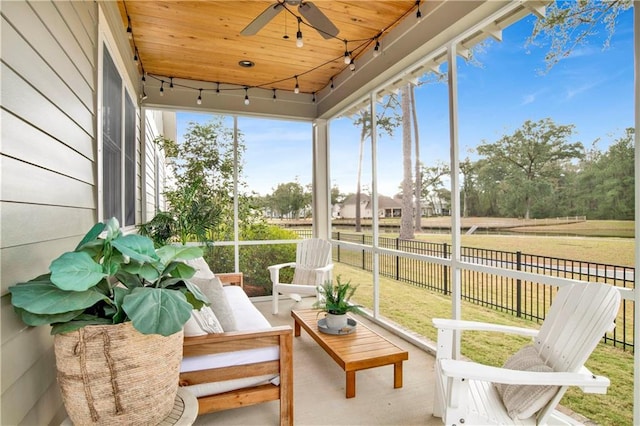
48	178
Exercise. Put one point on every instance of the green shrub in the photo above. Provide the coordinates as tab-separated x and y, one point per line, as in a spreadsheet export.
254	260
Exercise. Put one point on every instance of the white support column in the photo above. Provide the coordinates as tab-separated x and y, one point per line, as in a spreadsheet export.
636	294
375	221
455	190
321	204
236	225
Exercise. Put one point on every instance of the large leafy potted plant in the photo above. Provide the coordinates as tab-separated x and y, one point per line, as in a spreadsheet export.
335	301
117	307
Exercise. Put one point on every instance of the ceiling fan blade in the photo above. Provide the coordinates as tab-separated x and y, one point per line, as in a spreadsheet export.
263	19
318	19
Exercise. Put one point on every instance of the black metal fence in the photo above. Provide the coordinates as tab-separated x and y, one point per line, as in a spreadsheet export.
524	299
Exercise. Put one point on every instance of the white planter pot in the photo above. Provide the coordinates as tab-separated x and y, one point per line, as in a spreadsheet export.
336	322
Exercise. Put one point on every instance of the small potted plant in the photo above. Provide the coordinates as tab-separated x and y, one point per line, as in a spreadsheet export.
114	298
335	301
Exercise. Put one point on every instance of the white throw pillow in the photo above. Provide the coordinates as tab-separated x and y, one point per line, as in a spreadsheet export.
201	267
212	288
523	401
202	322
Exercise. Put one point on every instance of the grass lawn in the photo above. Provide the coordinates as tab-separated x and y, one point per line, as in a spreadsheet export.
614	249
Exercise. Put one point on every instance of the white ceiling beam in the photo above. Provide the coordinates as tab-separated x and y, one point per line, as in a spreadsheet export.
494	31
537	7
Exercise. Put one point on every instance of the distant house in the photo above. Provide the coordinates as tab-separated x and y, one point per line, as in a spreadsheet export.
387	207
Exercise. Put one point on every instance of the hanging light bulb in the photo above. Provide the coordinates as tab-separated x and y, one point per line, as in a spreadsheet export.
143	97
274	95
171	83
299	41
332	86
296	89
313	98
144	75
217	88
347	55
199	101
135	55
376	49
352	65
246	96
129	29
162	88
418	13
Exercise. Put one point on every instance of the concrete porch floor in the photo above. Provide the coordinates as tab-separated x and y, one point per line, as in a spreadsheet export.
319	386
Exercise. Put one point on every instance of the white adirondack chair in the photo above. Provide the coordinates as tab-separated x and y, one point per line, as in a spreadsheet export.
466	392
312	268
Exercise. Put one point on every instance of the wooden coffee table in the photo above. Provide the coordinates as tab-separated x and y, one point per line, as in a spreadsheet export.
359	350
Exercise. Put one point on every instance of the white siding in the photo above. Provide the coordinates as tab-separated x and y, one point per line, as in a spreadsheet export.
49	170
48	193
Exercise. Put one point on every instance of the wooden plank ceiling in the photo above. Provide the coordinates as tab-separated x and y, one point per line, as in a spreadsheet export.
201	40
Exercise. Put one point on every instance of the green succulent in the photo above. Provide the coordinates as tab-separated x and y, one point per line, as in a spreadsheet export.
335	299
111	278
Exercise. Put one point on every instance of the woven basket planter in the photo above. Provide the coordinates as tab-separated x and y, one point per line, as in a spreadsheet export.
114	375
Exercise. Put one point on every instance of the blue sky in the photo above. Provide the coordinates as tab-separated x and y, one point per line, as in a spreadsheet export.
592	89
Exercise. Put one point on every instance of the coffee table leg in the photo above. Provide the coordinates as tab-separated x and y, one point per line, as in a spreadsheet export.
397	375
296	329
351	384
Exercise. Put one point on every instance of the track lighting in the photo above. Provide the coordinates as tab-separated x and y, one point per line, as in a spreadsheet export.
199	101
299	41
297	88
246	96
162	88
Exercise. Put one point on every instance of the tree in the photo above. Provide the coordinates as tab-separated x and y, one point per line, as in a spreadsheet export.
201	191
406	221
467	170
336	196
418	185
569	24
607	181
288	199
386	120
431	182
529	156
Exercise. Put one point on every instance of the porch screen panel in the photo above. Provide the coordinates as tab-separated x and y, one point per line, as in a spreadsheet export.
111	139
129	162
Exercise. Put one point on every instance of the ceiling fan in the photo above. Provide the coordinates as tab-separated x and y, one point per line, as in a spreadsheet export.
311	13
